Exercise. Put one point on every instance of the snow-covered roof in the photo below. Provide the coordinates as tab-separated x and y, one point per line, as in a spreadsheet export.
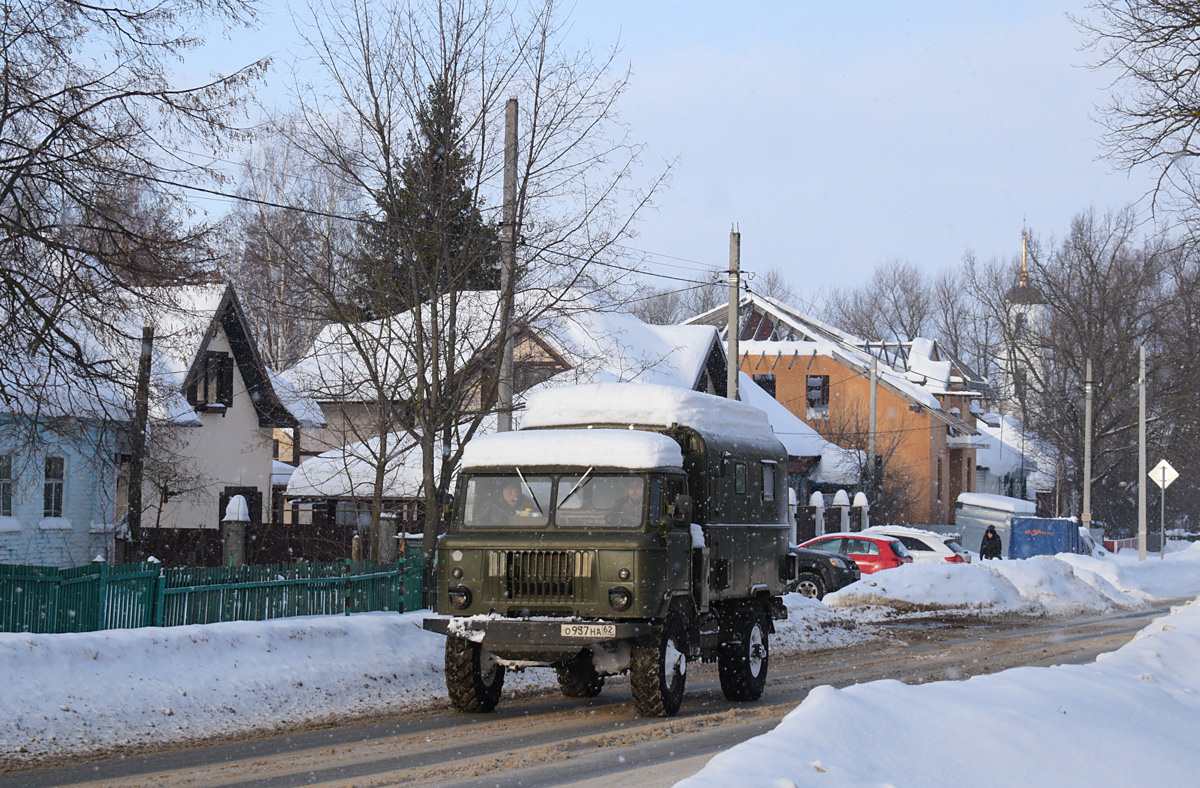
281	473
597	345
1004	448
1001	503
349	471
632	449
918	385
185	319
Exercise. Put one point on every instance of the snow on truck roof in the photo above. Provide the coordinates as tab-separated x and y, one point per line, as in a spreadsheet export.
634	449
648	405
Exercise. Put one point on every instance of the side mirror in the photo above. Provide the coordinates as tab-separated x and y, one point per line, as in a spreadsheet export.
664	525
683	509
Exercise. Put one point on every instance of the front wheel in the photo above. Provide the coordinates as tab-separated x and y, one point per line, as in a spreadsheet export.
810	585
473	676
744	657
658	669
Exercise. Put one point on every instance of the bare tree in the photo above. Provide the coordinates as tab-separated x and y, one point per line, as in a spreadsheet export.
675	302
93	124
895	304
1099	294
896	498
430	373
1154	111
288	232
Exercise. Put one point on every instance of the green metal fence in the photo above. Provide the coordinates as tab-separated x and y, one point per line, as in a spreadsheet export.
87	598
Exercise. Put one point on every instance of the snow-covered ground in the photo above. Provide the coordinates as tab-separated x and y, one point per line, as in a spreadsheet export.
1130	718
93	692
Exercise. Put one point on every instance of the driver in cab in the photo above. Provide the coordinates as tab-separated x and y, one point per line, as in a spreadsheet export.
509	503
627	511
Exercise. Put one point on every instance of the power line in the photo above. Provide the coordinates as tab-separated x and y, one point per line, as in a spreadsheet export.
364	220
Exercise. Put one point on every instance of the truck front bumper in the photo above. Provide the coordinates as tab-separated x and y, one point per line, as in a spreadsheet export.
536	640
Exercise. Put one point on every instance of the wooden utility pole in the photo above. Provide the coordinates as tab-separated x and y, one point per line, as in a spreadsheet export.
1087	448
735	263
508	249
137	452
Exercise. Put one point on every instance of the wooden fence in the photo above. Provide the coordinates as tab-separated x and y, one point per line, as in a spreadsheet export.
89	598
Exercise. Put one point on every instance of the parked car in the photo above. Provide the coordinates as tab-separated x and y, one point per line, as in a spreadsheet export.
926	545
872	552
819	572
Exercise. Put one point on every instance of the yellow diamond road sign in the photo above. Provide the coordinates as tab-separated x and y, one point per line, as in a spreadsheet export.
1163	474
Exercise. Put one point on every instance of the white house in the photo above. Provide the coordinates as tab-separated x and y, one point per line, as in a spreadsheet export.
241	411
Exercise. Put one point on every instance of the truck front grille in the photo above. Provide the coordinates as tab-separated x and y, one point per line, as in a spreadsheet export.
542	576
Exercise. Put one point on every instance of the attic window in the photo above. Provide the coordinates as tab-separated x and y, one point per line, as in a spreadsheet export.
213	388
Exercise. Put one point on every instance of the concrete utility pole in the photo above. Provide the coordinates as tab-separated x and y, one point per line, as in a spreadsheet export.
1142	453
1087	448
508	252
735	264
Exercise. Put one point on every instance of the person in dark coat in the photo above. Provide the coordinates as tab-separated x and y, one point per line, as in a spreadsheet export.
990	547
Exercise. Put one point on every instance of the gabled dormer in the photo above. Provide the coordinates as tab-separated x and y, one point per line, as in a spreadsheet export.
227	344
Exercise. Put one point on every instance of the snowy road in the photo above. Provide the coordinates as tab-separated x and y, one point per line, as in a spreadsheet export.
537	738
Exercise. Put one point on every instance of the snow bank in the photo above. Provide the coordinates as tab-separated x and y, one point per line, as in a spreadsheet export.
77	694
1027	726
1044	585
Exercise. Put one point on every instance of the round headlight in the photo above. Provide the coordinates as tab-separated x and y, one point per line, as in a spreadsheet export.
460	597
619	598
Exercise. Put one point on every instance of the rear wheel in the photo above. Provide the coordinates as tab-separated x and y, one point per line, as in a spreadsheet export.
473	676
658	669
810	585
744	657
578	679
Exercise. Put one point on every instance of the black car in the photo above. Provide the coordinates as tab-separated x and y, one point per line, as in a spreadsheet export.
819	572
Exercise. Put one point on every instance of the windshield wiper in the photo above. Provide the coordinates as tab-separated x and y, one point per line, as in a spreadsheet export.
529	490
578	485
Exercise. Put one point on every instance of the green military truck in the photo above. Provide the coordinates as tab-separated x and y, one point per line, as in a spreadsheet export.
625	527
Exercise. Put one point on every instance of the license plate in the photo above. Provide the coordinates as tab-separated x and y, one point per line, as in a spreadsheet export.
589	630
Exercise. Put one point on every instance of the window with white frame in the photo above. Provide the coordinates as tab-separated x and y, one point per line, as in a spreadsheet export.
56	479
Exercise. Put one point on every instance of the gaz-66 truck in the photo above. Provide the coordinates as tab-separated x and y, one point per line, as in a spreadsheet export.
625	527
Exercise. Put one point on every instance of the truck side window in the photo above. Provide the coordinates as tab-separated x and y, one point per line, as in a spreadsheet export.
739	477
768	480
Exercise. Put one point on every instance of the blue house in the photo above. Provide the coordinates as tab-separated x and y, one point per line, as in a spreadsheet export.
59	467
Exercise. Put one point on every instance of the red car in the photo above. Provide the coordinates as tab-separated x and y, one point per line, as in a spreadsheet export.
872	552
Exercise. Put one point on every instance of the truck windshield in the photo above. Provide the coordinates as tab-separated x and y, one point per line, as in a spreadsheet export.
600	500
581	500
507	500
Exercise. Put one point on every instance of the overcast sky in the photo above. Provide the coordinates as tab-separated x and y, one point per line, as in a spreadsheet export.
841	135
